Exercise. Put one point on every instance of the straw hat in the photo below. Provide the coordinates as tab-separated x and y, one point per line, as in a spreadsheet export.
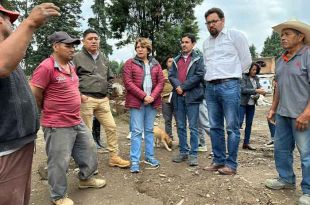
297	25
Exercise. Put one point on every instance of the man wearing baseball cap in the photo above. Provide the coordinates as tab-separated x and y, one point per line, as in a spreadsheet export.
18	113
55	86
291	107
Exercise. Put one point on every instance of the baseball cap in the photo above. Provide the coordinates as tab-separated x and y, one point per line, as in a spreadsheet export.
63	37
13	15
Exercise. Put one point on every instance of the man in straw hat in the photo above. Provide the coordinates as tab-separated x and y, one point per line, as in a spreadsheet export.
291	107
18	113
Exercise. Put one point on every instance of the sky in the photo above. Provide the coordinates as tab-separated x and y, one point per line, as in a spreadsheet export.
253	17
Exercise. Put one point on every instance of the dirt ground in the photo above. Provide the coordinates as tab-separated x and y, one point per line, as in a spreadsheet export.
178	184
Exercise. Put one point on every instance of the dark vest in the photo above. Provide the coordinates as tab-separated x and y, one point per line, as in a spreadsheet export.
19	118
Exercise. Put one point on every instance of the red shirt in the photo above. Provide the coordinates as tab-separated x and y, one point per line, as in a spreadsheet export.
61	96
182	68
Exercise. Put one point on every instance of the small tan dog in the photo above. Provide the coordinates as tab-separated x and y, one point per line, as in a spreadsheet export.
162	137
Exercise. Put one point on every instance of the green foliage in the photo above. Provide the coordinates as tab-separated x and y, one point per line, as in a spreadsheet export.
272	46
68	22
99	23
163	22
10	5
114	66
253	52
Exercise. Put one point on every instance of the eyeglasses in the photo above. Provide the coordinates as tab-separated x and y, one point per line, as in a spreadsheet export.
208	23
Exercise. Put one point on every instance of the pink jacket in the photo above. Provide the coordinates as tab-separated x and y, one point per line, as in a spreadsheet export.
133	76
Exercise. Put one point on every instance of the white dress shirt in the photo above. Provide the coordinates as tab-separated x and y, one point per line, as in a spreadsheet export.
226	56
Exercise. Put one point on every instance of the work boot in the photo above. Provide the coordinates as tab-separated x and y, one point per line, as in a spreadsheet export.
193	160
92	183
117	161
63	201
278	184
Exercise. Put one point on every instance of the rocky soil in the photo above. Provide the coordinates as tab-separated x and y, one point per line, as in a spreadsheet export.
178	184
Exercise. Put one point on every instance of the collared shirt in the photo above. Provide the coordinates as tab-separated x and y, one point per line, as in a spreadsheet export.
293	78
94	56
61	96
226	56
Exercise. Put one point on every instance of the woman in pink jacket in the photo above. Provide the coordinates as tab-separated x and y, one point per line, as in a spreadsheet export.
144	81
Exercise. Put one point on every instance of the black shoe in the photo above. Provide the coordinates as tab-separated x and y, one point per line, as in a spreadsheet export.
180	158
247	146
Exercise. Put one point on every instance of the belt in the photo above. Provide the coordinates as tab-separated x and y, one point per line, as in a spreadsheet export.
218	81
95	95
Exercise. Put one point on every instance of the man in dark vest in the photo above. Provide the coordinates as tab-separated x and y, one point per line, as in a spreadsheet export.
18	113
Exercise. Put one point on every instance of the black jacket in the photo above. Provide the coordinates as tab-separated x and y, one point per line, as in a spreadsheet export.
247	89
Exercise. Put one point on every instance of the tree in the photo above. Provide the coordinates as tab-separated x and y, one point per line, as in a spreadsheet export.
68	22
272	46
99	23
114	66
254	54
163	22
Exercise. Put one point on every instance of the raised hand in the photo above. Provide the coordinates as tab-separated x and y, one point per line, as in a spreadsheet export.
41	13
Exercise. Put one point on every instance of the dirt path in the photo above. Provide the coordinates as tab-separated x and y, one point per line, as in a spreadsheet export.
178	183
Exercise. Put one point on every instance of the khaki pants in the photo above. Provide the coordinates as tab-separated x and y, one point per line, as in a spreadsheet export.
15	176
101	109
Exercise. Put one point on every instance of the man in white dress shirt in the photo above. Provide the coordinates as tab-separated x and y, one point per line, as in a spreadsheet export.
227	56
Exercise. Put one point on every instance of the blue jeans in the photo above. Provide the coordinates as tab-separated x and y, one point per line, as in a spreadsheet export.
248	111
142	120
188	112
284	144
223	102
203	123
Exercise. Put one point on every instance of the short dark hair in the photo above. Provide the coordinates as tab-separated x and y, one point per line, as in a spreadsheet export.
190	36
257	68
164	63
218	11
88	31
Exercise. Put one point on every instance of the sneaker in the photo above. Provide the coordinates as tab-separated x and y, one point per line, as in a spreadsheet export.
180	158
193	160
202	149
63	201
270	144
304	200
278	184
135	167
129	136
92	183
117	161
154	163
